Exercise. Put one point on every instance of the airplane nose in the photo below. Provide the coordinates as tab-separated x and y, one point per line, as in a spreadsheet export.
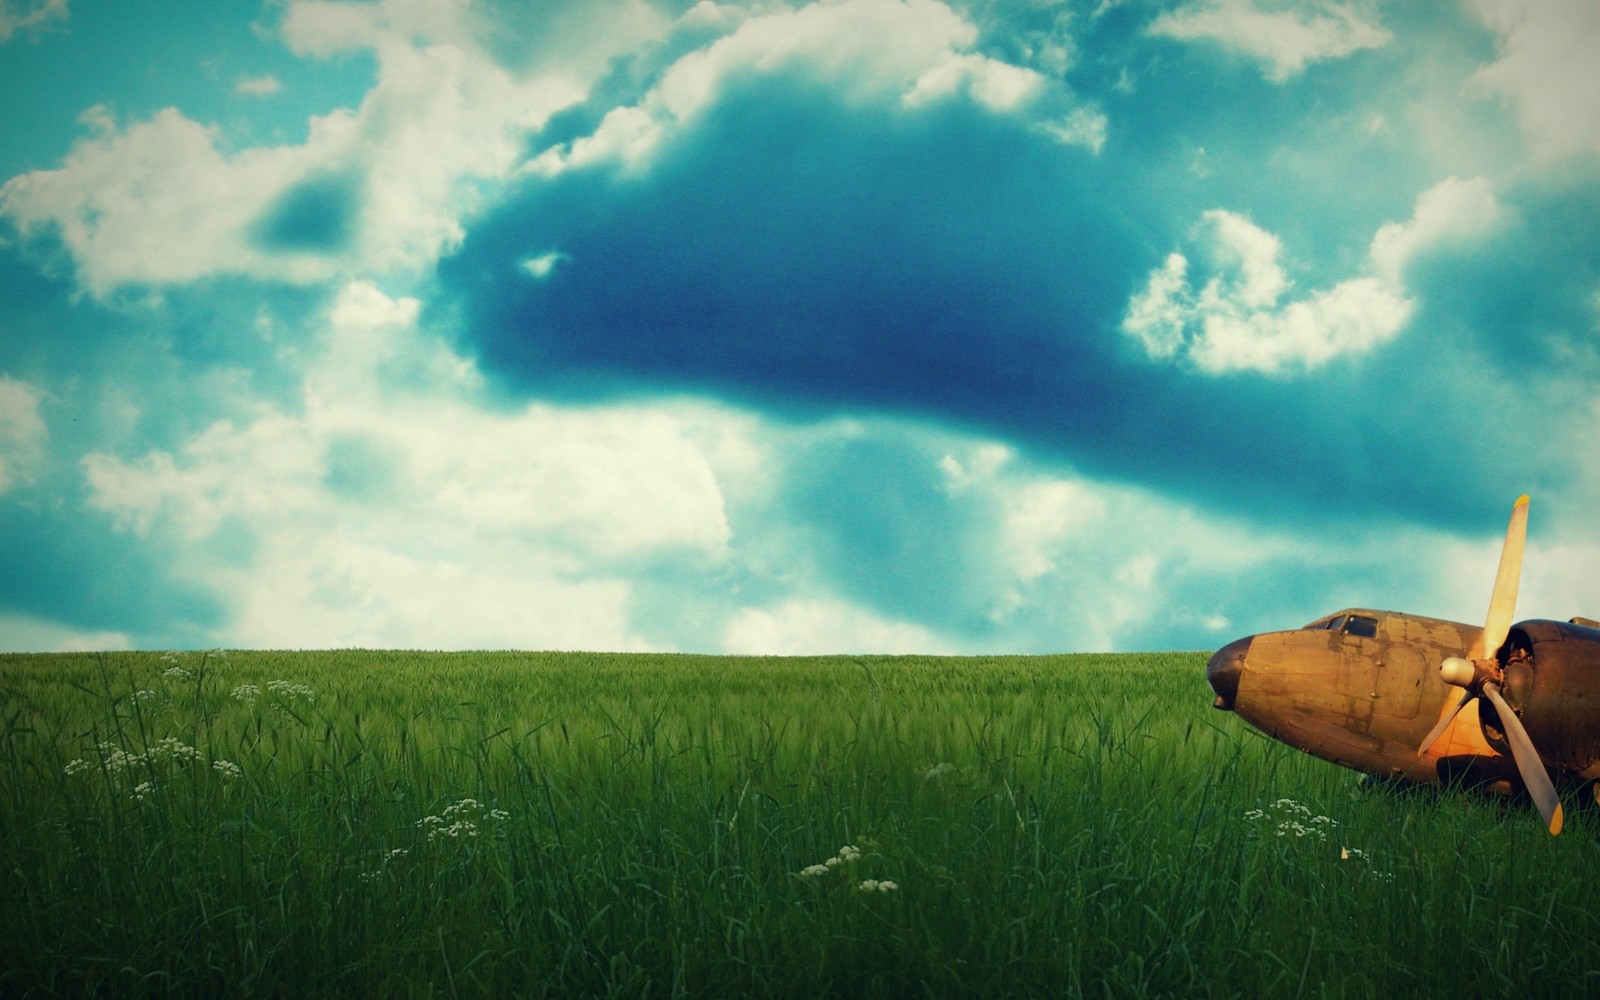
1223	672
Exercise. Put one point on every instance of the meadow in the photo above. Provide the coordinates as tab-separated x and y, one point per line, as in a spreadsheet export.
356	823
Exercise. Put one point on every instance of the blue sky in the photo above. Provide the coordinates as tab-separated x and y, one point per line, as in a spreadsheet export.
870	325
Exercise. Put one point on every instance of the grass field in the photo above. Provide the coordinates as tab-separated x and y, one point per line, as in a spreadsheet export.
398	823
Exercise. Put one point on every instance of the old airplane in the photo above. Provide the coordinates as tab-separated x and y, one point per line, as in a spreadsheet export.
1415	699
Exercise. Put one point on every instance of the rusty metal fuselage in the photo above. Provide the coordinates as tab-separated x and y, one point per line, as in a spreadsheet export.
1361	688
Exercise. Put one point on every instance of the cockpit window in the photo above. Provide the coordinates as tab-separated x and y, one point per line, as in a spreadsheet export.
1362	626
1336	624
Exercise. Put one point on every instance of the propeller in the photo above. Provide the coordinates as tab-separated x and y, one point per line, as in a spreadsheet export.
1479	673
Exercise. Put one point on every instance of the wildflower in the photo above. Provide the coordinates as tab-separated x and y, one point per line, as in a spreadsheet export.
172	748
874	885
177	673
848	854
143	790
246	692
463	819
228	769
76	767
291	691
144	694
938	771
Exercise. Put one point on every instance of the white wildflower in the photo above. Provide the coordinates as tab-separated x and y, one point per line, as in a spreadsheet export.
291	691
228	769
177	673
172	748
462	819
848	854
76	767
143	790
938	771
247	692
874	885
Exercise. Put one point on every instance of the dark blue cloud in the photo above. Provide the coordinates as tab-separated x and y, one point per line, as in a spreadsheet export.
797	255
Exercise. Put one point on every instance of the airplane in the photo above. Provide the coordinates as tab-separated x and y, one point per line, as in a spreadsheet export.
1422	700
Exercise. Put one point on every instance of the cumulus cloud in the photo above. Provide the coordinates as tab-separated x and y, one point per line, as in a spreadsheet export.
375	514
1284	40
1239	319
1545	68
907	52
814	627
22	431
161	200
25	15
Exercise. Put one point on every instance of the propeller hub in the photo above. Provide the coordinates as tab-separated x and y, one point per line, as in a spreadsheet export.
1458	671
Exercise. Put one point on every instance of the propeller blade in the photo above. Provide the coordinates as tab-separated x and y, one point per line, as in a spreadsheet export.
1444	723
1528	763
1503	602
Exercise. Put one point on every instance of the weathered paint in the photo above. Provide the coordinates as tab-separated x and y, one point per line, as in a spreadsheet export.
1368	702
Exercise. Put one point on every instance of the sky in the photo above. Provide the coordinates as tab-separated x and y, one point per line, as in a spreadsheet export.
864	326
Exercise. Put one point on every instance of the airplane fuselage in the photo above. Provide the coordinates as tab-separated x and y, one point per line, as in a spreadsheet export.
1362	688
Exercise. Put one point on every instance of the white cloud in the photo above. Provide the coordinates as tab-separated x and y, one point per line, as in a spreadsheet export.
814	627
23	15
1545	68
1284	40
258	86
1239	319
1451	210
908	52
26	634
542	266
160	201
317	28
394	517
22	431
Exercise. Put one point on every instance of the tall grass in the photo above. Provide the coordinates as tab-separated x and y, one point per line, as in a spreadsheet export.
387	823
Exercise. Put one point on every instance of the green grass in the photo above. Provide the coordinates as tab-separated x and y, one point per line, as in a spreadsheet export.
1056	826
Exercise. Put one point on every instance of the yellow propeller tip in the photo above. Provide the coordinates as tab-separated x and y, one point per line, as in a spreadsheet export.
1556	820
1522	501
